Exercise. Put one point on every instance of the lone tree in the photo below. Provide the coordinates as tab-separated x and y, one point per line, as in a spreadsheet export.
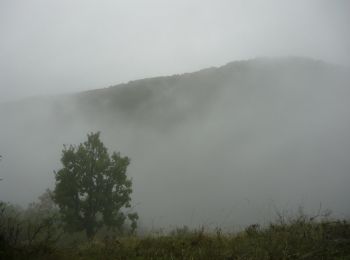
92	188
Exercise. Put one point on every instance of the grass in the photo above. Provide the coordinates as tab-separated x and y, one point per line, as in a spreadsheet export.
299	238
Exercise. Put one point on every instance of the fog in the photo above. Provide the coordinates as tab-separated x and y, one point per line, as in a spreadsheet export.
224	146
64	46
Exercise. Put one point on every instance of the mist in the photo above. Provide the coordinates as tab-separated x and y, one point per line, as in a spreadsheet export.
226	146
61	47
229	110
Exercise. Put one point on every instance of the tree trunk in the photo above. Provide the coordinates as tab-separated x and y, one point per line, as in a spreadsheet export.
90	232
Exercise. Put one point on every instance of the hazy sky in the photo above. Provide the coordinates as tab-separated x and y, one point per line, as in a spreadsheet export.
61	46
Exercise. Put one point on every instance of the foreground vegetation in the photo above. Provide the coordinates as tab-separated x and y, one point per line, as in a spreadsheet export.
34	234
297	240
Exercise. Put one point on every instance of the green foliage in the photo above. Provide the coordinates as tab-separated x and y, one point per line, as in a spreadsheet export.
28	232
92	188
133	217
297	238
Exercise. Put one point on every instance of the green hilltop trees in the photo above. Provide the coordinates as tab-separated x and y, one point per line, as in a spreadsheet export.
92	188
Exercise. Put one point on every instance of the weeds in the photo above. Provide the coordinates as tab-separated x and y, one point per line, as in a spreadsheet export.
299	237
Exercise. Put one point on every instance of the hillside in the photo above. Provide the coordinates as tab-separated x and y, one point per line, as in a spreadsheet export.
221	146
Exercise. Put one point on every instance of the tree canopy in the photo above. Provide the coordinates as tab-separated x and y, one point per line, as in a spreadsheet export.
92	187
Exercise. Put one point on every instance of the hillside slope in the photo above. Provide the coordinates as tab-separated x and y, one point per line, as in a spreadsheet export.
221	146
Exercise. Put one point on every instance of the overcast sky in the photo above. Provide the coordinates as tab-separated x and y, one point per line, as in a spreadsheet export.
49	47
